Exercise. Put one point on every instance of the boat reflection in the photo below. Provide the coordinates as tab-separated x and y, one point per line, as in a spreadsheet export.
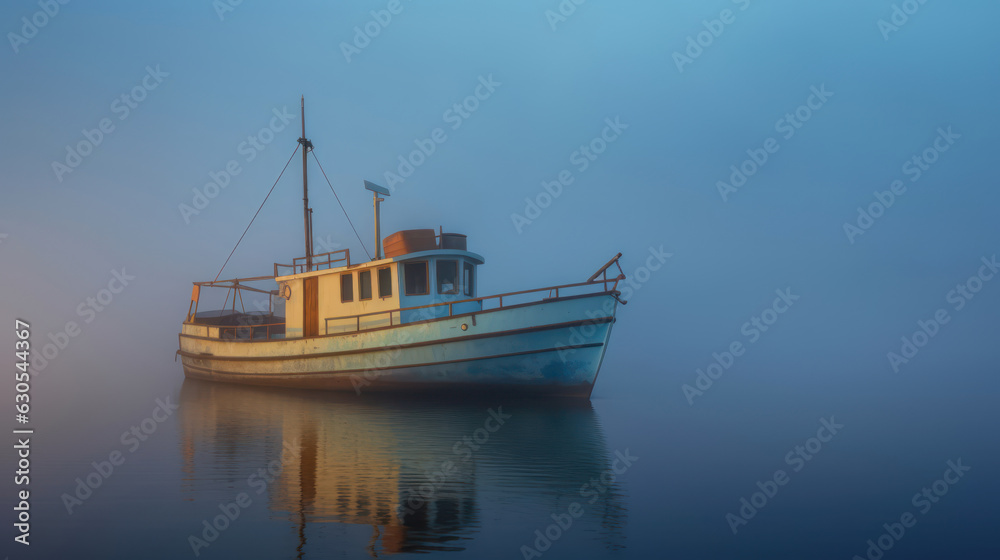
417	472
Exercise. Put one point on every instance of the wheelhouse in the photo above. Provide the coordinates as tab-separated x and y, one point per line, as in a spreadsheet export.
322	298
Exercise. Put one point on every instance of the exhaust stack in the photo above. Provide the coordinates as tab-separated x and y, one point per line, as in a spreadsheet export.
377	190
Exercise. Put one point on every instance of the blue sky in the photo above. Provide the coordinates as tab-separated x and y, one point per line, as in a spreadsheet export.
220	79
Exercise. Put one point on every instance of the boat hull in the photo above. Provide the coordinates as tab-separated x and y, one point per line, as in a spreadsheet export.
553	347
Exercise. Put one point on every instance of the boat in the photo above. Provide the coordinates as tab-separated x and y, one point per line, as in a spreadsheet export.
410	319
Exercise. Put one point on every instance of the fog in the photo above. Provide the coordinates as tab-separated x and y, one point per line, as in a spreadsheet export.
871	195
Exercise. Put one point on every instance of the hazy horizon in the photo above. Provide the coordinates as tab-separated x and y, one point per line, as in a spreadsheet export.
842	155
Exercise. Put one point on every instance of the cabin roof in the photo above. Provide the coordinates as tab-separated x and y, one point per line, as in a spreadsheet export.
475	257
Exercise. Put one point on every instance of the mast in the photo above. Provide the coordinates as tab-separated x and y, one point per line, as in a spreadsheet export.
306	212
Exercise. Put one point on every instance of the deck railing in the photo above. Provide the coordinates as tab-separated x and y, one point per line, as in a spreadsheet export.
251	332
553	292
237	286
316	262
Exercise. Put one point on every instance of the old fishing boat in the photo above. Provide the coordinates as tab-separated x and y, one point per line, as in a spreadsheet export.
409	320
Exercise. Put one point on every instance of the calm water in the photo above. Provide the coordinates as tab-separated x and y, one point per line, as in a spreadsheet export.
310	475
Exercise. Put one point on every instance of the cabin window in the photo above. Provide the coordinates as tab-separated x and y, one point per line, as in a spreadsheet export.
415	278
467	279
384	282
447	277
347	287
365	284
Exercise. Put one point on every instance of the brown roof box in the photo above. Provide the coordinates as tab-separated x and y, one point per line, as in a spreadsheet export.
409	241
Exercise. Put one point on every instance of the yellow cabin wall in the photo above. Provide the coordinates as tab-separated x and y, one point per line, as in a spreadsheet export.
330	304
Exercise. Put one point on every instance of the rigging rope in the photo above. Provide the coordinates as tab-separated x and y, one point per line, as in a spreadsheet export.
257	212
341	204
